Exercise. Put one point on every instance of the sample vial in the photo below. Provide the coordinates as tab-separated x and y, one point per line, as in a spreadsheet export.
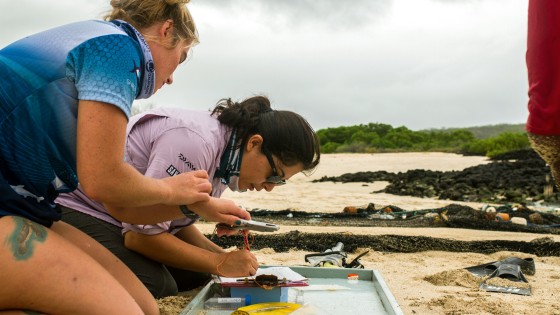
299	297
224	303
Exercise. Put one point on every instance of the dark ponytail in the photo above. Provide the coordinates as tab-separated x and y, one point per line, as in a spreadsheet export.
285	134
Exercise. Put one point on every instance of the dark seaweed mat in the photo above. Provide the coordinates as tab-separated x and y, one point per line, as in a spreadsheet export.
319	242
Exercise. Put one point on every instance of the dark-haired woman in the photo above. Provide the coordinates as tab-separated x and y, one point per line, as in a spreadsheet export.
243	146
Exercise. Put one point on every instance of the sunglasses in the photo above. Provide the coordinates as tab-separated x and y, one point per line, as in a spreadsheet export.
274	178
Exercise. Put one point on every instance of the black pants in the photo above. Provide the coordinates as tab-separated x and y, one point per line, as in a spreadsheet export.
161	280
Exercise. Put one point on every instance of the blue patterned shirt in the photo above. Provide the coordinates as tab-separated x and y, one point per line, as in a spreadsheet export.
42	78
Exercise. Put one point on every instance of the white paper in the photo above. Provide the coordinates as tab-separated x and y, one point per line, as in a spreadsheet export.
280	272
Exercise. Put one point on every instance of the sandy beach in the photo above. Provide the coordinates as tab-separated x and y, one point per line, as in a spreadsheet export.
432	282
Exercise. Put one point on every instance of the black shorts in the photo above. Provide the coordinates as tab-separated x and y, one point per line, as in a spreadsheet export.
161	280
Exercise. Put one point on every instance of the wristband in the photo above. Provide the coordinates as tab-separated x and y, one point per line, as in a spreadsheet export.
188	213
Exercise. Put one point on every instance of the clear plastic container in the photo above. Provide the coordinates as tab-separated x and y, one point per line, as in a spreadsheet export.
224	303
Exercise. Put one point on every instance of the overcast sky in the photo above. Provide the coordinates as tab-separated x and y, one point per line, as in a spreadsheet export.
414	63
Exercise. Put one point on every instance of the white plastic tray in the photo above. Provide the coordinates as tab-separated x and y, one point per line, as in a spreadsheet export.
368	295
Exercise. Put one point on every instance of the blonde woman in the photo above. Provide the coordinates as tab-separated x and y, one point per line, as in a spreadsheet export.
65	98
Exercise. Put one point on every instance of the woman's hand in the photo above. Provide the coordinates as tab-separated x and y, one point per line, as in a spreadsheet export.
188	188
220	210
238	263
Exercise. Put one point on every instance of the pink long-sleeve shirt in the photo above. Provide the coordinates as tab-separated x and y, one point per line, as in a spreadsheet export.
164	142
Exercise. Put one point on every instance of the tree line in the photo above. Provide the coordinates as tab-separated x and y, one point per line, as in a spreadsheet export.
378	137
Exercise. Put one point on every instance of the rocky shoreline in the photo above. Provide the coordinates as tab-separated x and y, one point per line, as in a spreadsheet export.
516	177
452	216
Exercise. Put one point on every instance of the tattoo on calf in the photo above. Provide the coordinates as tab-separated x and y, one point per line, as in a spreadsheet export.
22	240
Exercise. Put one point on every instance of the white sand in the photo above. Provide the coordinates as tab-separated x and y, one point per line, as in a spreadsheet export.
456	292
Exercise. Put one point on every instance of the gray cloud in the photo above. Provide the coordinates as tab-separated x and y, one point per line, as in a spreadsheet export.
331	14
422	63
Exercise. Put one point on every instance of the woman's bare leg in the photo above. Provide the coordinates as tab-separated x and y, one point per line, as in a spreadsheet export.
548	147
43	272
111	263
